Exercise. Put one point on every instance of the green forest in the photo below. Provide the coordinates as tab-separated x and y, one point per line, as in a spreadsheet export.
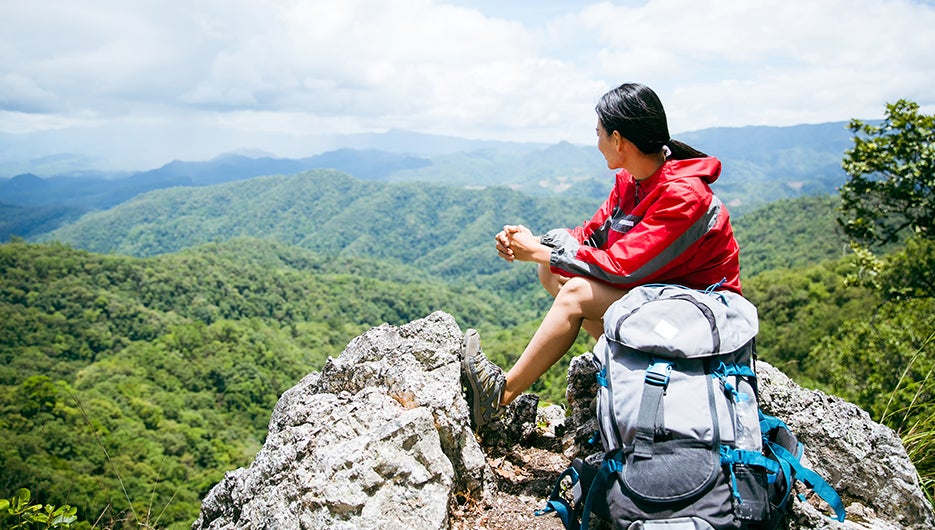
143	348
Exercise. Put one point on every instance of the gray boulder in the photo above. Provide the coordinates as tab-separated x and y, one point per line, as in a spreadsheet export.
379	439
864	461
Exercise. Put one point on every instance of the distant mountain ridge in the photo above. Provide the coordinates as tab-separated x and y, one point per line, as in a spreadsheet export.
40	152
761	165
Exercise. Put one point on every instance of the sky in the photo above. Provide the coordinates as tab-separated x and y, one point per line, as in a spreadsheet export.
168	79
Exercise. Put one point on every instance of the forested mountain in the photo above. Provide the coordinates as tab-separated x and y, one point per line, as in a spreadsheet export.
31	221
97	192
760	165
789	233
444	230
763	164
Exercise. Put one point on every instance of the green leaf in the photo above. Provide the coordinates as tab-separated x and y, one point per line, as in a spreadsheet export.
21	499
65	515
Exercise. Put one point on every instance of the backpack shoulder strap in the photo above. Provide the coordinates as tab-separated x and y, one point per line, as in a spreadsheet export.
558	505
650	417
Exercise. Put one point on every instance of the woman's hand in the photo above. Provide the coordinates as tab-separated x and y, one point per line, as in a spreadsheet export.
516	242
503	245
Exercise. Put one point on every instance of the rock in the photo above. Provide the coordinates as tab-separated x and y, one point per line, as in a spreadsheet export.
581	395
550	421
378	439
864	461
517	426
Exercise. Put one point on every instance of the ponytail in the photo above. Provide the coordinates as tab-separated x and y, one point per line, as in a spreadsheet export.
681	151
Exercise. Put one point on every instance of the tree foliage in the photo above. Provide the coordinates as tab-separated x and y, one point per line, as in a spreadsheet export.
789	233
798	307
869	341
910	272
18	512
128	386
891	190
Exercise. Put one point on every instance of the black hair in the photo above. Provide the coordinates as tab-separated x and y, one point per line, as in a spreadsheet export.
636	112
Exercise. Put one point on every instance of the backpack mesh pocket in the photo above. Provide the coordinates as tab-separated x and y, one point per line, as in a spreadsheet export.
679	470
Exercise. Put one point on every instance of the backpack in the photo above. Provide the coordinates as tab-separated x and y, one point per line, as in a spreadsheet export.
684	444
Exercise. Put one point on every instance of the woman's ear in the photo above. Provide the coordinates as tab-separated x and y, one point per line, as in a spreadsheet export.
621	144
618	141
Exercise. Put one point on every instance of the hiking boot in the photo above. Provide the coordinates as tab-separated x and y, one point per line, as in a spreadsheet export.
483	380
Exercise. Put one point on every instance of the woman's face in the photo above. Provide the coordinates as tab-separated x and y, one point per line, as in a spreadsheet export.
609	146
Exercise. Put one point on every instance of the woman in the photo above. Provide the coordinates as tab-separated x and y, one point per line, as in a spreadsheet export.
660	224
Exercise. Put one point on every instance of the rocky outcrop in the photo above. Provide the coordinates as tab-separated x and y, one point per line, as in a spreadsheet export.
864	461
380	438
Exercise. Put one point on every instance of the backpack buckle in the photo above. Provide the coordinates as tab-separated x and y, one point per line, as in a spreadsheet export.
658	373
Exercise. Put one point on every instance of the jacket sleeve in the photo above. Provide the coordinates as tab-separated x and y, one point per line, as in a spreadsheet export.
675	221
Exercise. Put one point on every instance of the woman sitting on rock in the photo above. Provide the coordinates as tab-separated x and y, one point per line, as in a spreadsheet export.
660	224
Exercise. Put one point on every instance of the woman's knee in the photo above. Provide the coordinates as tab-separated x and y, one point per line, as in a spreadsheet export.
576	289
550	281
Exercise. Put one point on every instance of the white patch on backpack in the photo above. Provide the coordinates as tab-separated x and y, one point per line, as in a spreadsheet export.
666	329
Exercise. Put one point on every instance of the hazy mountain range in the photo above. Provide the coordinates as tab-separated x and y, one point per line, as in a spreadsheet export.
761	165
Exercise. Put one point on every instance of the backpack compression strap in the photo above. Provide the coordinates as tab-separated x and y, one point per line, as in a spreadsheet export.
650	417
810	478
599	487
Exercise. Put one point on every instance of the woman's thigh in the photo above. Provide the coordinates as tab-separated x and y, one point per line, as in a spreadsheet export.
550	281
589	297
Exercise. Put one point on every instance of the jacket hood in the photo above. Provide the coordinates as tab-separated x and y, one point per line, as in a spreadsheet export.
707	169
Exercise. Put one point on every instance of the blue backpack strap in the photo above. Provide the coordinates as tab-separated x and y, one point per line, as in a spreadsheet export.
730	456
792	466
786	468
812	480
557	504
768	423
725	370
599	486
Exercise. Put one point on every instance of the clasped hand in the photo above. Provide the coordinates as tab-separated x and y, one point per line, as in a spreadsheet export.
516	242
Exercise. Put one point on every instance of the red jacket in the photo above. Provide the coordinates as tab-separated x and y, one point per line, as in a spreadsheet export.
668	228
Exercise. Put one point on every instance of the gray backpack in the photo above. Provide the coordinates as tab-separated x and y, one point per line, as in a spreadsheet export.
684	444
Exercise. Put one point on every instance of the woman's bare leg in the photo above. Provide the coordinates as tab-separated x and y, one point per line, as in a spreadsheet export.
553	283
578	300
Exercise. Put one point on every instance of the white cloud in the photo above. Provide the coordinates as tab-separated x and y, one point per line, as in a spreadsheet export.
524	71
769	62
